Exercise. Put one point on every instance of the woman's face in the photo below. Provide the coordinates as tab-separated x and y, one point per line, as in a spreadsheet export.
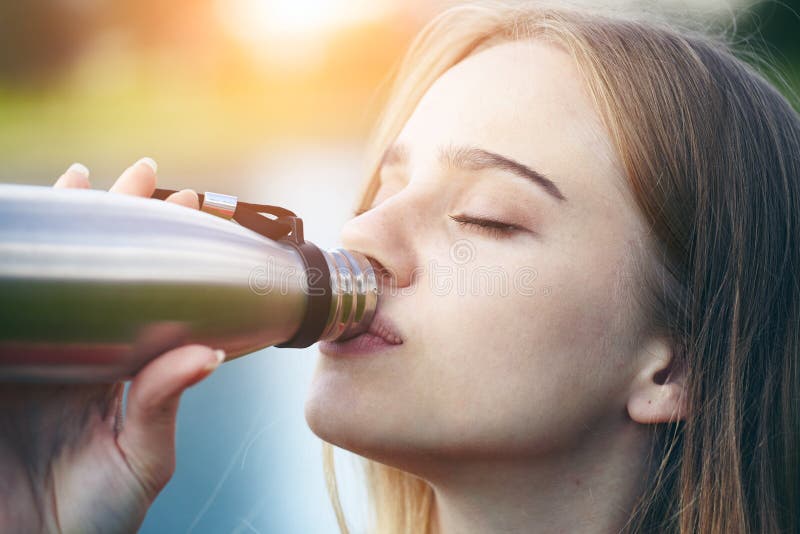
518	339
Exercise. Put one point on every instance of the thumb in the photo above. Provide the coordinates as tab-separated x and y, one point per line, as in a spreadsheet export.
147	439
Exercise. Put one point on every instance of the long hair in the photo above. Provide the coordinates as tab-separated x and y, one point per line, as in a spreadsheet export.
711	154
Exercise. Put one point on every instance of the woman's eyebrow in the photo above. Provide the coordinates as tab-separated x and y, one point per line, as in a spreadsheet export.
473	158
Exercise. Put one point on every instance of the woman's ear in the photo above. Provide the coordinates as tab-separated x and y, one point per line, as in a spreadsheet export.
658	392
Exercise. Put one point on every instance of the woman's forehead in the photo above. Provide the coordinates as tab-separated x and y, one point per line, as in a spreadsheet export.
525	100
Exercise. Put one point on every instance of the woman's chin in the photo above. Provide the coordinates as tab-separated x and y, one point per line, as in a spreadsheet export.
331	409
342	411
336	429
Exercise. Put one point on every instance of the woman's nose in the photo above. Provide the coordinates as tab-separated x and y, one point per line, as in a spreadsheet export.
385	234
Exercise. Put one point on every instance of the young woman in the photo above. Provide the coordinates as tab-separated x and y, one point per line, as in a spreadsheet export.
630	363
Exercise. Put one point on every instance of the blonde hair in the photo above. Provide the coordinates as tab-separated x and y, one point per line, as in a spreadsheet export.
710	151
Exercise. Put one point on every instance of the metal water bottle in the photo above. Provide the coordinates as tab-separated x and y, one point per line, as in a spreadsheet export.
95	284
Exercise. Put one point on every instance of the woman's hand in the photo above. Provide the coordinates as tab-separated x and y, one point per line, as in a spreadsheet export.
68	463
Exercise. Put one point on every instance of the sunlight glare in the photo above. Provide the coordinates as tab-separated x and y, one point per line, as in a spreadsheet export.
262	21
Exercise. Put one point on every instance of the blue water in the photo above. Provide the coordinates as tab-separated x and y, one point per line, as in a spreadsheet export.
247	462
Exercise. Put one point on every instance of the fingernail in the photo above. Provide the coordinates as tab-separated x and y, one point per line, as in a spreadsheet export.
79	168
189	191
150	162
219	355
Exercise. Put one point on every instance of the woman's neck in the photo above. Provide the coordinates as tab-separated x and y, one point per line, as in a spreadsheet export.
590	490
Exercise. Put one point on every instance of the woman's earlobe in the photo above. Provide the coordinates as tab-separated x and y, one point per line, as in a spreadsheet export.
658	392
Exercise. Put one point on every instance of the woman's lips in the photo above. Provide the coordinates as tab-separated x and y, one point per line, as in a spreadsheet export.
381	335
383	328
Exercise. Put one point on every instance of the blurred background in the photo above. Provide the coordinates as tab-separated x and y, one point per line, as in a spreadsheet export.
271	101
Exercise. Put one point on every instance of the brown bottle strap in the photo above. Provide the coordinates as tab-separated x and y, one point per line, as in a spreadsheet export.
252	216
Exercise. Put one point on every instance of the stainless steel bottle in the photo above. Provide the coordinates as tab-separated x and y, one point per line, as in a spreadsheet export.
95	284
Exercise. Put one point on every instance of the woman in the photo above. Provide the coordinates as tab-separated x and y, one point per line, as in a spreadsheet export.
635	187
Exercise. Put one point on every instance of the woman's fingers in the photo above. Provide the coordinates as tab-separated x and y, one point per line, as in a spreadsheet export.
139	179
185	197
147	439
77	176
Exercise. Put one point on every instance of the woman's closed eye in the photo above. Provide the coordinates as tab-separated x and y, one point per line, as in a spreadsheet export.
491	227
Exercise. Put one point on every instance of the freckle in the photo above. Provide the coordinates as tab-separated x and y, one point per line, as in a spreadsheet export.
649	402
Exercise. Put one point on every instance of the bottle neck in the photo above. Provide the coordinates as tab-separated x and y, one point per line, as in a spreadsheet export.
354	294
